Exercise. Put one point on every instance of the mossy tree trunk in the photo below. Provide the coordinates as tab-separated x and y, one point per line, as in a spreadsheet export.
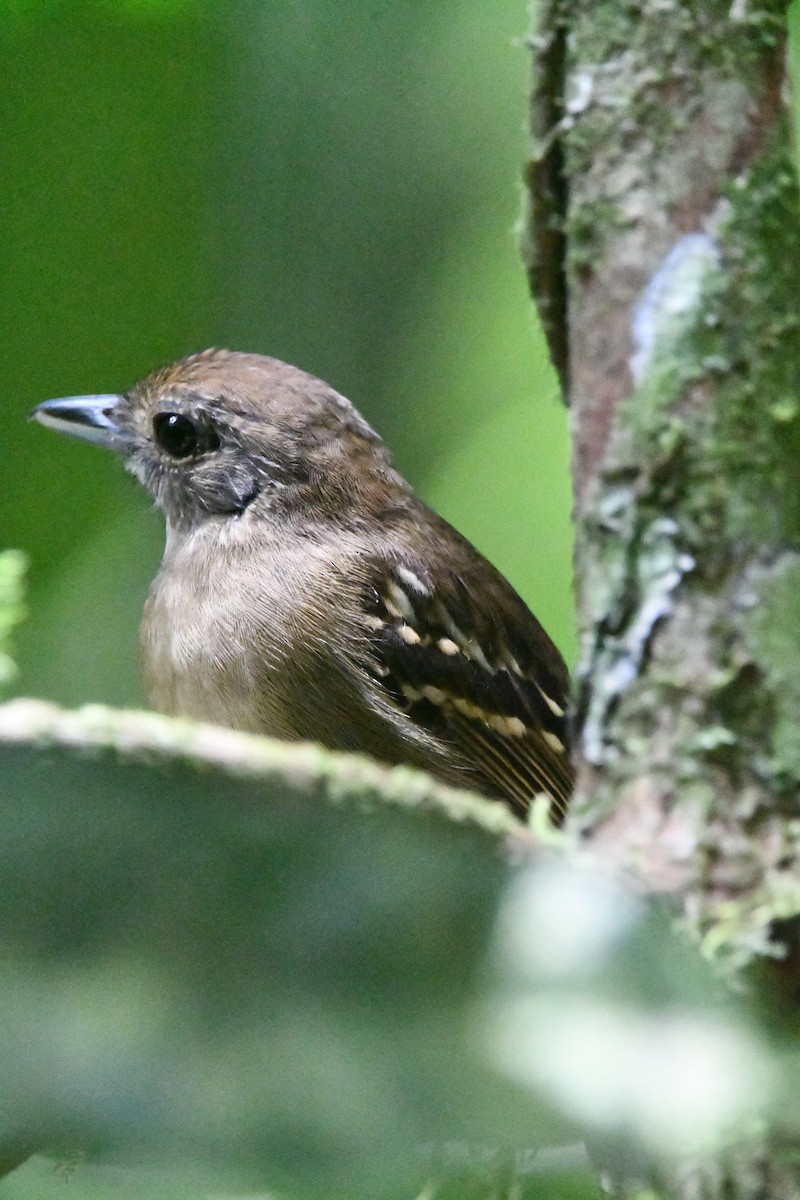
664	251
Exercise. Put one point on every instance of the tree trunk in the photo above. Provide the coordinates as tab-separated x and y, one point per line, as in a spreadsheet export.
663	252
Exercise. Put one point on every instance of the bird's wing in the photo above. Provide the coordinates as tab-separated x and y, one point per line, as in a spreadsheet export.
466	661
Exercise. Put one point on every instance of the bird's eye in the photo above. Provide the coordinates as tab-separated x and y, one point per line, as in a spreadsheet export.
182	437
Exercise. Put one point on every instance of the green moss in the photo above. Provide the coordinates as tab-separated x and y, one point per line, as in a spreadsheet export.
773	630
701	500
740	455
684	66
589	226
757	440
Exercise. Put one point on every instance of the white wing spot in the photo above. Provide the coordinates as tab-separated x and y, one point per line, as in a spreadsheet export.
469	646
402	605
447	646
413	581
555	709
554	742
508	726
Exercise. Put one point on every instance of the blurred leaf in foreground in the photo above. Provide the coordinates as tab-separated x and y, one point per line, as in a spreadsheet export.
13	565
264	962
600	1009
264	966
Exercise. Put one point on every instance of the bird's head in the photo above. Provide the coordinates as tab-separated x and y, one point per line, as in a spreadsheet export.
220	431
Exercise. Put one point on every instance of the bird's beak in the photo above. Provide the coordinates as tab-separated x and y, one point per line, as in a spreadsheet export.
90	418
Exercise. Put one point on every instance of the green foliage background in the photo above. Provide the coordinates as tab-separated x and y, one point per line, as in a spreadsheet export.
337	185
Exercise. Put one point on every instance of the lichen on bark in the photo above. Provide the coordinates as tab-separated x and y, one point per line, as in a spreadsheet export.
680	239
681	234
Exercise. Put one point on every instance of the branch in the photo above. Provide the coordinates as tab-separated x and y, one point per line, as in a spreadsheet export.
303	769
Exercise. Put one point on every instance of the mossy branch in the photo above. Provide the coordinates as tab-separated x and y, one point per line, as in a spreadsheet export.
303	769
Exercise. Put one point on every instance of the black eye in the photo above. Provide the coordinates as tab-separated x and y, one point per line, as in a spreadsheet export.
182	437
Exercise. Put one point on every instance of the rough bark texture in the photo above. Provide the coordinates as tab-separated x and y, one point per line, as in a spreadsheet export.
676	225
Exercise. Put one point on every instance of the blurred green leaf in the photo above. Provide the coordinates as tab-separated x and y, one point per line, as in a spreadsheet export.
42	1178
263	962
487	1177
622	1025
13	566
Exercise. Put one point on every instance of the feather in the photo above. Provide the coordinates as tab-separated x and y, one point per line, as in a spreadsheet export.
468	668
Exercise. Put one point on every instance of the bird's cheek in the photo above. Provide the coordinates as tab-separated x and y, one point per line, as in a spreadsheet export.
229	490
146	471
170	488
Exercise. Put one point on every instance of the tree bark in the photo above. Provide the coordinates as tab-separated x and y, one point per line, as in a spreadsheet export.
663	252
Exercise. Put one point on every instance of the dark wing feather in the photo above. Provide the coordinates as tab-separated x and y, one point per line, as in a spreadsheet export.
468	663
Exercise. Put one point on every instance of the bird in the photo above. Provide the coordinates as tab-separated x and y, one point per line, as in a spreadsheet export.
306	592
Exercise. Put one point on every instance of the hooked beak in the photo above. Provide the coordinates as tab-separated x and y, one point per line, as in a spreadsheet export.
89	418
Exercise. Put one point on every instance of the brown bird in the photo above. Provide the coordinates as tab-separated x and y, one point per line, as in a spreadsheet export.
306	592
